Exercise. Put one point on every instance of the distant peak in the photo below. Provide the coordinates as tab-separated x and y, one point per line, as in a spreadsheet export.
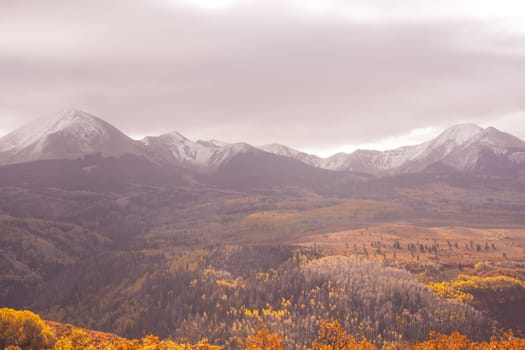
212	143
68	134
491	129
68	118
465	126
499	138
73	114
218	143
274	146
240	147
71	119
71	111
175	135
493	132
460	133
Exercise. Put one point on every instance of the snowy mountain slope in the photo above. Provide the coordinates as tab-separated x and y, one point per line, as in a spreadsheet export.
462	147
70	134
489	149
376	162
228	151
285	151
435	150
412	158
174	148
459	148
73	134
203	156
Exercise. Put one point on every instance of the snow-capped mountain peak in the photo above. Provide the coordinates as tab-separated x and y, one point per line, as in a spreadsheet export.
285	151
73	134
213	143
461	147
280	150
493	137
458	134
177	149
203	156
441	146
377	162
69	134
176	136
65	120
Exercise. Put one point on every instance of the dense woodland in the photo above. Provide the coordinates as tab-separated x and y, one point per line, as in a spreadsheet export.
224	293
193	264
203	294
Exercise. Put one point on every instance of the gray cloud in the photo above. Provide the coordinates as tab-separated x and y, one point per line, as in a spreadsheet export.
262	71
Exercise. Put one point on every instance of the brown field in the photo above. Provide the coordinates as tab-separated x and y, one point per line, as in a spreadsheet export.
450	250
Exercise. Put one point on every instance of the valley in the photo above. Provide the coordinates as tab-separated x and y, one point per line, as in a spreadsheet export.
168	258
262	175
154	242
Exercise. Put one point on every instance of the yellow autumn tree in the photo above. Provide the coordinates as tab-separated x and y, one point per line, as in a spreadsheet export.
333	337
455	341
204	345
264	340
23	329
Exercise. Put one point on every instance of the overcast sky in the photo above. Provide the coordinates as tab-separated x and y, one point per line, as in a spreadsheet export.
318	75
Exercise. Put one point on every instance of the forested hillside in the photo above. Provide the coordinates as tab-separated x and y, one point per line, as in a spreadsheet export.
33	251
224	293
202	262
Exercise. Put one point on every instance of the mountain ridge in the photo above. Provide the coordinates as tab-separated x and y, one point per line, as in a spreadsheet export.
458	147
73	134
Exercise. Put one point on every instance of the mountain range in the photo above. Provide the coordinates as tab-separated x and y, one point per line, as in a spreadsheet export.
73	135
102	230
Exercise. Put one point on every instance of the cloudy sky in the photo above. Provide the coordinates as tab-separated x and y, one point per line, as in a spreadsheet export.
319	75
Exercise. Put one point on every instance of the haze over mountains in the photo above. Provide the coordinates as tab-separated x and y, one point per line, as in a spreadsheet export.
73	134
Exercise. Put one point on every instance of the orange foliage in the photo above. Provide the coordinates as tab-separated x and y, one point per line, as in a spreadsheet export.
264	340
458	341
21	330
333	337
